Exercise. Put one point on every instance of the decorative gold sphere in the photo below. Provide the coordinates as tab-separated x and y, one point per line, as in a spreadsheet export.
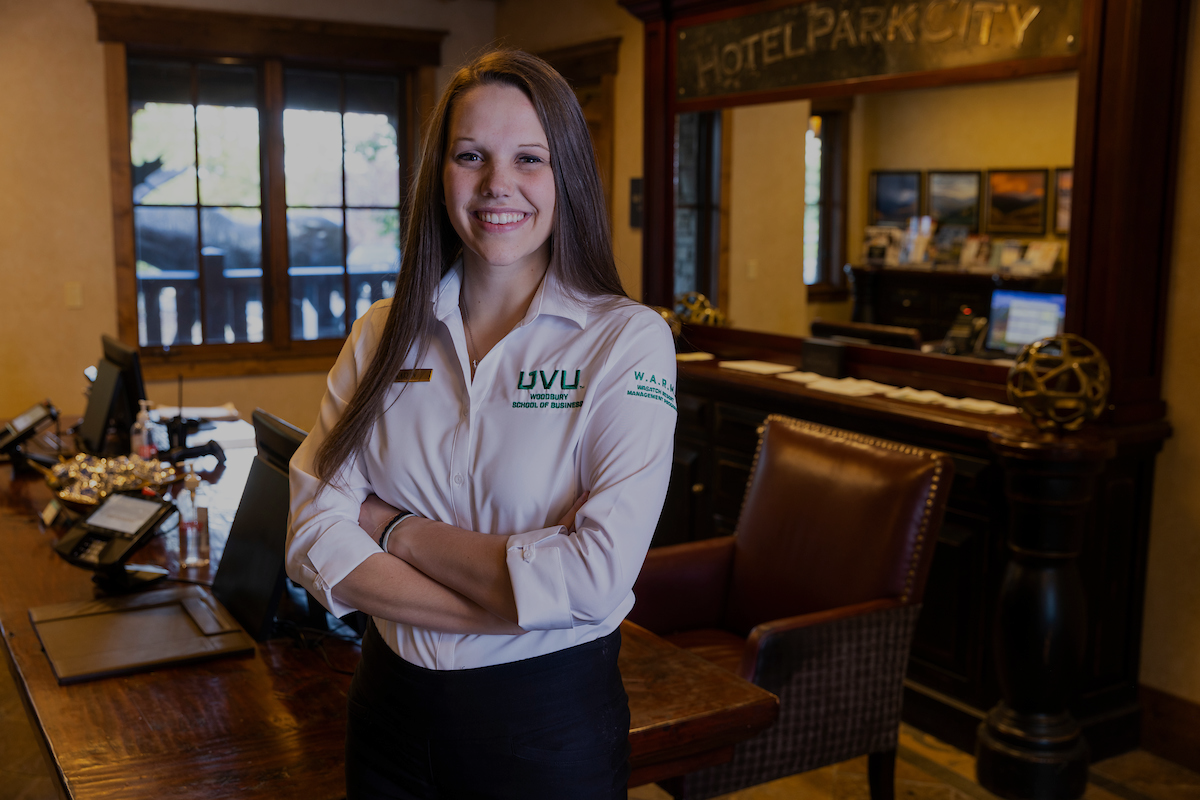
1059	382
695	308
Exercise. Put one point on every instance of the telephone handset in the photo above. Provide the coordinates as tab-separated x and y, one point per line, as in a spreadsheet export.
965	336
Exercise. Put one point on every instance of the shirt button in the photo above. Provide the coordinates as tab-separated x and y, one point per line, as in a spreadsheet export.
527	554
458	479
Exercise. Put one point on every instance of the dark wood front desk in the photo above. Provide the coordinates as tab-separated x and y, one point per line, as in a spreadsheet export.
273	725
952	677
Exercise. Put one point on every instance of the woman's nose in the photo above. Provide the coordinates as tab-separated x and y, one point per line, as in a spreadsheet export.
496	181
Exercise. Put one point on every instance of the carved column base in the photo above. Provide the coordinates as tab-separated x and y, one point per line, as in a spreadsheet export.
1031	756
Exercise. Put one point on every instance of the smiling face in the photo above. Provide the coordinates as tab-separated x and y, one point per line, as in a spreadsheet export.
497	179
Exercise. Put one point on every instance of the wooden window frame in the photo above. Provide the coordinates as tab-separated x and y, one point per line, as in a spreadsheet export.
273	44
830	285
712	194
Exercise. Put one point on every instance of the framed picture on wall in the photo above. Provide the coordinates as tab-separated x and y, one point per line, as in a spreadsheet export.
1016	201
952	198
894	197
1064	179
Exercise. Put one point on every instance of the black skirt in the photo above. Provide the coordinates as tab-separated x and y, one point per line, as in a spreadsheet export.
554	726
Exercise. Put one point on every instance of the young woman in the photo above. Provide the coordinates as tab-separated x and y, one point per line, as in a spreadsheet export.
503	431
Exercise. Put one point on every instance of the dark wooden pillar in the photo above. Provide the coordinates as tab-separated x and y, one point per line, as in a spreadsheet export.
1030	747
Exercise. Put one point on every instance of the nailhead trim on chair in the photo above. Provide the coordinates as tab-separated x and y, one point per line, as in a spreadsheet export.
838	433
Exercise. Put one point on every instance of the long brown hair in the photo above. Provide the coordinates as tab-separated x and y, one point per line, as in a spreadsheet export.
580	245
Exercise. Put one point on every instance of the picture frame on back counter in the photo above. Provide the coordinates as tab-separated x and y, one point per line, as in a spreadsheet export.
1064	180
894	197
953	198
1016	201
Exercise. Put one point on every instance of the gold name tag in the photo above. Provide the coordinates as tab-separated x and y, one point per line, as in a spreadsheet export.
414	376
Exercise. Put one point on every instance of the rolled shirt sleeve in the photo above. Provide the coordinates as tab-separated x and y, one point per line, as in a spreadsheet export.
562	579
538	581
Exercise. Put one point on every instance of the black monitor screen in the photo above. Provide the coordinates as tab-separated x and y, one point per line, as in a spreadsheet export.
113	402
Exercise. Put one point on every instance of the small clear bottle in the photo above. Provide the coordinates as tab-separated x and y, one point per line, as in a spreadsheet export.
141	435
193	535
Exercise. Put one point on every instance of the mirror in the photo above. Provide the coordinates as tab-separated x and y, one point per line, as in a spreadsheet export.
770	199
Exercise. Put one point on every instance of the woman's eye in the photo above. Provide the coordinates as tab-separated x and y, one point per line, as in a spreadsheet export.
467	157
529	160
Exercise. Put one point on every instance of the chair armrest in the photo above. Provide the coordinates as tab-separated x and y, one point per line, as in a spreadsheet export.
839	677
683	586
764	635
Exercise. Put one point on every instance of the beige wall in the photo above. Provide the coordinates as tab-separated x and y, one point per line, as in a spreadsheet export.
56	210
539	25
766	218
1171	640
1027	123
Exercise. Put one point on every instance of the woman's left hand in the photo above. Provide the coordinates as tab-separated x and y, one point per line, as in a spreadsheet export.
374	514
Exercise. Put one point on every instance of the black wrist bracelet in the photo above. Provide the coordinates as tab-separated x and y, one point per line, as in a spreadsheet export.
390	526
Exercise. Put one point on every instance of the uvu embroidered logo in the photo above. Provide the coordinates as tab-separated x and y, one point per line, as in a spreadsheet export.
651	387
549	390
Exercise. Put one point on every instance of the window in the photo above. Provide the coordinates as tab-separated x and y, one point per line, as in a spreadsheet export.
825	165
698	204
197	202
257	208
342	173
699	161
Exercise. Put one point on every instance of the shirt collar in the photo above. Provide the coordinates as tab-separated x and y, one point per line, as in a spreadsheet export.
445	301
551	298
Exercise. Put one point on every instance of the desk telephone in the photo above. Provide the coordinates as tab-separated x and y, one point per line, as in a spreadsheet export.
106	538
24	427
965	336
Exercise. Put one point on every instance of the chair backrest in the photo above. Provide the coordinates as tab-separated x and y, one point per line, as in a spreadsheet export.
275	438
833	518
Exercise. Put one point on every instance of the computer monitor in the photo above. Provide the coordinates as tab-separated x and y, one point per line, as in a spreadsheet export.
250	580
1018	318
113	401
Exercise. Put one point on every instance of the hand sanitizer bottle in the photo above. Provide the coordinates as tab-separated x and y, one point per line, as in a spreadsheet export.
193	537
141	439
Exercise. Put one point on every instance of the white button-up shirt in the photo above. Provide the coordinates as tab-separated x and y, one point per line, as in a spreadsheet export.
577	397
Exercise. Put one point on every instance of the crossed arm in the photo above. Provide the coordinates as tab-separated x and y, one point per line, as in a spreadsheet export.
435	575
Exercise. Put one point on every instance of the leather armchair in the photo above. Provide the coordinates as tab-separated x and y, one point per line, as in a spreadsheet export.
814	598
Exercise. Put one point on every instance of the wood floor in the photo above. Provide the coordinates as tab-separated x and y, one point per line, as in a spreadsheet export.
926	769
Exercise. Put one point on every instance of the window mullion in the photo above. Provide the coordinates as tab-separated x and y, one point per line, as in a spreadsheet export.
181	336
347	318
276	294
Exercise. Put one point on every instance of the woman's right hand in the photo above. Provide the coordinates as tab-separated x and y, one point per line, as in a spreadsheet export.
568	519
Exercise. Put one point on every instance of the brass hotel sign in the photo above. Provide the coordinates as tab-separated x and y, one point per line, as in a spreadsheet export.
837	40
